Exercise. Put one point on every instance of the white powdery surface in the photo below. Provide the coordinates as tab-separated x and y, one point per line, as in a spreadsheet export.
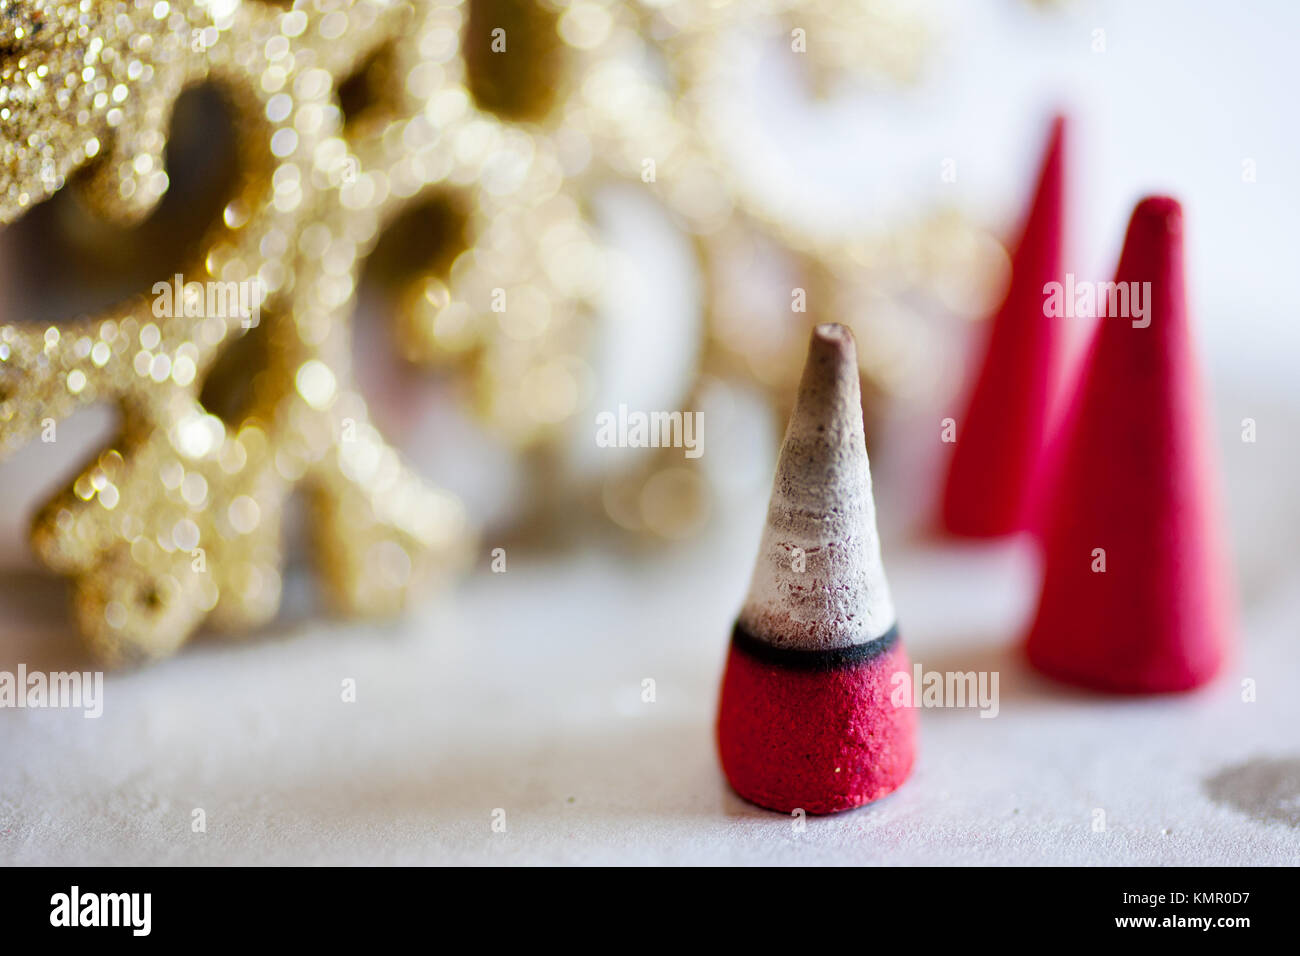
524	693
819	582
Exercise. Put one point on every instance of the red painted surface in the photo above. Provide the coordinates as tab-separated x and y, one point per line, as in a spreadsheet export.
818	740
1135	479
1000	438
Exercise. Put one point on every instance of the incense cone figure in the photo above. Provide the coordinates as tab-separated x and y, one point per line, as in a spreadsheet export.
1000	439
806	718
1135	597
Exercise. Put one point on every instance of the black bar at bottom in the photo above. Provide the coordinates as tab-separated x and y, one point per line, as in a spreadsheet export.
917	906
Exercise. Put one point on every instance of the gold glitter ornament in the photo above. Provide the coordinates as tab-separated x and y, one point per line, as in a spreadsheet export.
178	521
638	102
350	115
632	100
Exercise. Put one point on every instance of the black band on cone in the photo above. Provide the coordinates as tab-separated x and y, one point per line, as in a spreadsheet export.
819	660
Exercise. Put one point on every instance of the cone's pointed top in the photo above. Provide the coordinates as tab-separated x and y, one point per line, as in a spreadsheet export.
1153	242
829	391
1043	219
1163	210
832	346
1151	265
819	583
1156	220
1056	135
832	334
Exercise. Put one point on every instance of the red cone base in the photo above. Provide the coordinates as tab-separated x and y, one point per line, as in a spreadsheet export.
822	739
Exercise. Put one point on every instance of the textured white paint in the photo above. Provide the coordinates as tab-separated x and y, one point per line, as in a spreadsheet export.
819	582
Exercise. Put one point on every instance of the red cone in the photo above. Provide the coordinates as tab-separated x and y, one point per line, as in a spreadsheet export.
1136	594
808	718
1000	438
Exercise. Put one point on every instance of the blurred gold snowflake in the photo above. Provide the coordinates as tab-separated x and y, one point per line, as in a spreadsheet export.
349	115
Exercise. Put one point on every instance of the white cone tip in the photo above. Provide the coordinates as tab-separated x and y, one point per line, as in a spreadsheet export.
819	583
